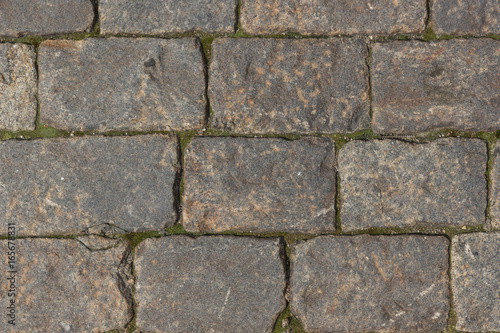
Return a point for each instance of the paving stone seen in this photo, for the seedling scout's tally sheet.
(495, 188)
(17, 87)
(390, 183)
(122, 84)
(167, 16)
(333, 17)
(65, 185)
(259, 185)
(475, 276)
(465, 17)
(420, 86)
(267, 85)
(61, 286)
(45, 17)
(209, 284)
(371, 283)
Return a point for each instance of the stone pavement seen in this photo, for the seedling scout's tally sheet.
(250, 166)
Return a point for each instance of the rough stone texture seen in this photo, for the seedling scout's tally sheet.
(63, 287)
(167, 16)
(122, 84)
(333, 16)
(209, 284)
(261, 185)
(390, 183)
(44, 17)
(421, 86)
(282, 85)
(475, 276)
(17, 87)
(371, 283)
(466, 17)
(495, 188)
(63, 186)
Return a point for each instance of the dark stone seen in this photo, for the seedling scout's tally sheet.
(495, 188)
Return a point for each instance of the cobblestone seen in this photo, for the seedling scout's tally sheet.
(495, 188)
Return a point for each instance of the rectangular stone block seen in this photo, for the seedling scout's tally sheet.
(390, 183)
(495, 187)
(167, 16)
(333, 17)
(265, 85)
(420, 86)
(209, 284)
(475, 277)
(371, 283)
(66, 185)
(17, 87)
(122, 84)
(45, 17)
(259, 185)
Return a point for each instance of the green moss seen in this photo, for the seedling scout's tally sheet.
(135, 238)
(176, 229)
(497, 37)
(429, 35)
(292, 323)
(206, 44)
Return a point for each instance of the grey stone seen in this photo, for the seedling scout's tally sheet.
(209, 284)
(259, 185)
(333, 16)
(61, 286)
(475, 277)
(122, 84)
(17, 87)
(371, 283)
(389, 183)
(420, 86)
(45, 17)
(66, 185)
(495, 188)
(465, 17)
(267, 85)
(167, 16)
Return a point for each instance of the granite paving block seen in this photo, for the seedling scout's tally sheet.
(209, 284)
(371, 283)
(495, 187)
(45, 17)
(390, 183)
(167, 16)
(420, 86)
(66, 185)
(475, 276)
(17, 87)
(267, 85)
(259, 185)
(333, 16)
(123, 84)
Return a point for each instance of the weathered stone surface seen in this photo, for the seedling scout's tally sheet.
(122, 84)
(261, 185)
(371, 283)
(167, 16)
(390, 183)
(17, 87)
(209, 284)
(45, 17)
(421, 86)
(267, 85)
(466, 17)
(495, 188)
(61, 286)
(63, 186)
(475, 276)
(333, 17)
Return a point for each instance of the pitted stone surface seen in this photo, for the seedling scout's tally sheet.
(333, 16)
(209, 284)
(371, 283)
(66, 185)
(421, 86)
(17, 87)
(45, 17)
(390, 183)
(63, 287)
(260, 185)
(122, 84)
(475, 276)
(266, 85)
(495, 188)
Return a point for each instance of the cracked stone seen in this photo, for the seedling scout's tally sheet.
(495, 188)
